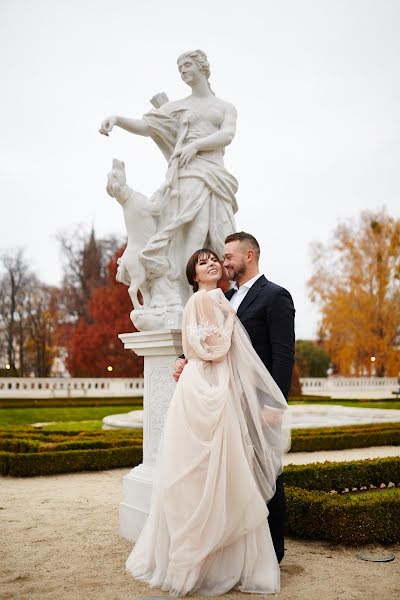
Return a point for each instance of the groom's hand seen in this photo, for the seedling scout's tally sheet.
(178, 368)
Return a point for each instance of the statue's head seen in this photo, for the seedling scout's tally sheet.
(192, 65)
(116, 178)
(200, 60)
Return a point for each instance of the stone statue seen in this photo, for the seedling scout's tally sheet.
(140, 221)
(195, 205)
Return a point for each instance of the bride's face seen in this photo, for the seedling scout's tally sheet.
(208, 270)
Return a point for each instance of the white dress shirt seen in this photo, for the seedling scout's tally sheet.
(240, 293)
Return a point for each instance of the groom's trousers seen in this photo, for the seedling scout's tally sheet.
(276, 518)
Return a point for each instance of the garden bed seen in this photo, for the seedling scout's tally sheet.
(26, 451)
(322, 503)
(345, 437)
(323, 499)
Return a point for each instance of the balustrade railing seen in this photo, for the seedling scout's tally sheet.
(350, 387)
(69, 387)
(74, 387)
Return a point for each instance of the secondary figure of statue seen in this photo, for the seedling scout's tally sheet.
(196, 202)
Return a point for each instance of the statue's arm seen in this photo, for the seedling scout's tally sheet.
(137, 126)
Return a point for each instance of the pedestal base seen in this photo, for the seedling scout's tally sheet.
(160, 349)
(134, 508)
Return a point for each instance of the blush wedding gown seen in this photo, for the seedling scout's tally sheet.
(219, 457)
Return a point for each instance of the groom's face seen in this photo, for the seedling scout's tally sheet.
(234, 259)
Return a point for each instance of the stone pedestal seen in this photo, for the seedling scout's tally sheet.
(159, 349)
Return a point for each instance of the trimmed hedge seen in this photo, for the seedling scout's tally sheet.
(349, 436)
(342, 519)
(313, 512)
(25, 446)
(339, 476)
(26, 452)
(49, 463)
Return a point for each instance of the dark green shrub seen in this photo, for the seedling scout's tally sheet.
(343, 519)
(340, 438)
(48, 463)
(372, 517)
(339, 476)
(27, 452)
(19, 445)
(4, 463)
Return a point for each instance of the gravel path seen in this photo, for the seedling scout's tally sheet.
(60, 541)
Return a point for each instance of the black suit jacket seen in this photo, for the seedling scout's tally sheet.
(267, 314)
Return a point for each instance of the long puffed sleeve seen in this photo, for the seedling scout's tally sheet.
(207, 326)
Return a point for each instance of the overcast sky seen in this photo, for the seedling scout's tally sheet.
(316, 84)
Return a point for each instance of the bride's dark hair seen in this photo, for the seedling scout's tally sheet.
(192, 262)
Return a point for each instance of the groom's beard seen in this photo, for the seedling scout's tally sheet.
(235, 274)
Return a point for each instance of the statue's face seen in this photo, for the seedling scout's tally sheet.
(189, 71)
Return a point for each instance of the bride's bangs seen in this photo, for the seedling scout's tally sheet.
(205, 254)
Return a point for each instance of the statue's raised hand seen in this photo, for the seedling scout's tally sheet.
(107, 125)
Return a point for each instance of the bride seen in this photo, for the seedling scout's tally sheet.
(219, 457)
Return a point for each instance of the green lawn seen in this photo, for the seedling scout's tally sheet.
(75, 426)
(68, 415)
(394, 404)
(389, 493)
(89, 418)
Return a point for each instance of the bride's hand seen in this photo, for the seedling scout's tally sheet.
(186, 154)
(178, 368)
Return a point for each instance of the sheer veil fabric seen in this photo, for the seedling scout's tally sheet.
(219, 457)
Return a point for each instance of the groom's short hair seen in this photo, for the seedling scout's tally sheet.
(242, 236)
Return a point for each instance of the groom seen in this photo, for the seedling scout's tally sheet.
(266, 311)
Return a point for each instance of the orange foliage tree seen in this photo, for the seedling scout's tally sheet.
(356, 282)
(94, 346)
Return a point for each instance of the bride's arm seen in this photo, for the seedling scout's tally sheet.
(209, 328)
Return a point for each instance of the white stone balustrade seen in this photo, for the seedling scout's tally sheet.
(92, 387)
(70, 387)
(350, 387)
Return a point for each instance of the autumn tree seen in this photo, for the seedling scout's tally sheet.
(356, 282)
(93, 343)
(41, 322)
(13, 286)
(28, 318)
(295, 384)
(85, 265)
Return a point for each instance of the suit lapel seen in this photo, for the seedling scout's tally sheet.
(251, 295)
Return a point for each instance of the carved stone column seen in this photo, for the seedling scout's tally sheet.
(160, 349)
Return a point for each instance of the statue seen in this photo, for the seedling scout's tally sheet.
(138, 210)
(195, 205)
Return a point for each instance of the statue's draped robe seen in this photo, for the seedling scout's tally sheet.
(197, 202)
(219, 457)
